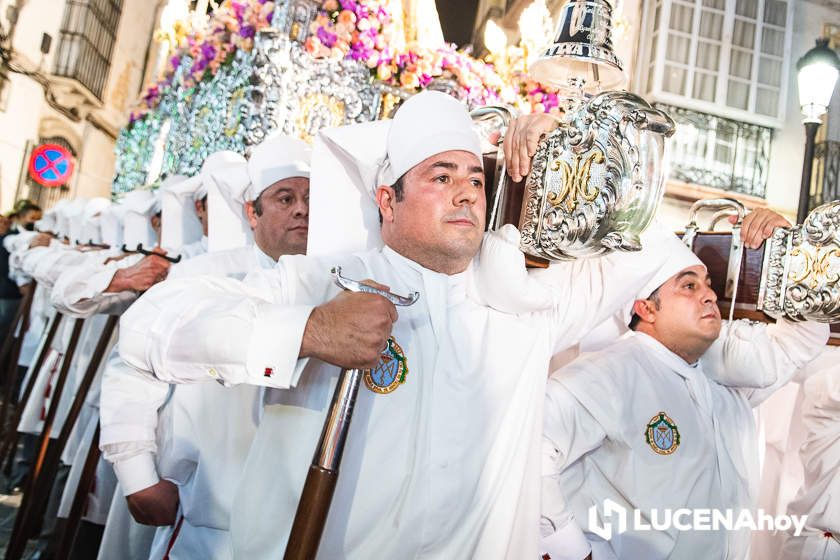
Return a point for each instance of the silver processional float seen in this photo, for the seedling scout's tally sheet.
(594, 186)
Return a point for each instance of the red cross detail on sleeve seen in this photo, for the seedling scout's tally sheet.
(545, 556)
(268, 372)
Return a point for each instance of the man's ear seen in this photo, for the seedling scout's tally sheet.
(251, 214)
(385, 199)
(645, 309)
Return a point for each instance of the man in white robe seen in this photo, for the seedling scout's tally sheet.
(202, 456)
(643, 424)
(104, 281)
(109, 284)
(819, 497)
(447, 464)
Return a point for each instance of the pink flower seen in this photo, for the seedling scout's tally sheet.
(409, 80)
(384, 72)
(346, 17)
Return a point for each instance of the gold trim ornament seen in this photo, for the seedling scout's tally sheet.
(662, 435)
(391, 370)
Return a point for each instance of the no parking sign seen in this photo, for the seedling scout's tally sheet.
(51, 165)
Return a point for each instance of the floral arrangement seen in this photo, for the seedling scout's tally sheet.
(361, 30)
(231, 26)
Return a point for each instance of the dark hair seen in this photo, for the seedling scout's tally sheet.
(399, 192)
(635, 319)
(22, 206)
(258, 209)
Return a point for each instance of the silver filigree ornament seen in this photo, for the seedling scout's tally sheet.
(299, 95)
(597, 180)
(801, 271)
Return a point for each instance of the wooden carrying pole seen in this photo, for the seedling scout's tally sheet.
(318, 489)
(10, 352)
(39, 482)
(315, 501)
(11, 437)
(66, 530)
(78, 401)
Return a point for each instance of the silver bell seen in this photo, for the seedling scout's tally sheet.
(581, 55)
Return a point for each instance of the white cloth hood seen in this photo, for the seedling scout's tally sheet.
(275, 159)
(228, 189)
(140, 206)
(179, 223)
(353, 161)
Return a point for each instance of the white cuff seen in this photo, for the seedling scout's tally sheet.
(567, 543)
(136, 473)
(273, 355)
(99, 282)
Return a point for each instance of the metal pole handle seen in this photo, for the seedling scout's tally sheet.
(319, 487)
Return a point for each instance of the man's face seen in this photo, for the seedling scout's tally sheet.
(29, 217)
(687, 314)
(156, 222)
(439, 222)
(201, 212)
(280, 217)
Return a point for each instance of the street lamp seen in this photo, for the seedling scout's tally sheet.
(817, 75)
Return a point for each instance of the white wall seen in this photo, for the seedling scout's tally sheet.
(26, 110)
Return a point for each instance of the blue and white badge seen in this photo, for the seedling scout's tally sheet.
(662, 434)
(390, 372)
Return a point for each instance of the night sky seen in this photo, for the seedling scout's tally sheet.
(457, 18)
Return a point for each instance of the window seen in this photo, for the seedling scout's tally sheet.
(726, 57)
(717, 152)
(86, 40)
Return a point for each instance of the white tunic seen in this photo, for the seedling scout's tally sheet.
(447, 466)
(596, 417)
(205, 437)
(46, 269)
(819, 498)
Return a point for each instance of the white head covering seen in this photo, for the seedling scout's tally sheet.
(428, 123)
(67, 214)
(140, 206)
(680, 257)
(226, 196)
(111, 225)
(353, 161)
(49, 220)
(87, 228)
(179, 224)
(274, 159)
(46, 223)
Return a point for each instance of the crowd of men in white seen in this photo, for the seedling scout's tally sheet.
(525, 401)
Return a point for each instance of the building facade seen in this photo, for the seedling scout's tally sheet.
(71, 70)
(726, 72)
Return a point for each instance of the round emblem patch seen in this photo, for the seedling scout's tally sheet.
(662, 434)
(390, 372)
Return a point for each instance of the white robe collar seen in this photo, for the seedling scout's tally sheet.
(263, 260)
(439, 291)
(693, 374)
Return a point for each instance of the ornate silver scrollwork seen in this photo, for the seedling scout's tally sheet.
(299, 95)
(597, 180)
(801, 273)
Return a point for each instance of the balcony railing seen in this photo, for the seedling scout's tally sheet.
(86, 41)
(717, 152)
(825, 177)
